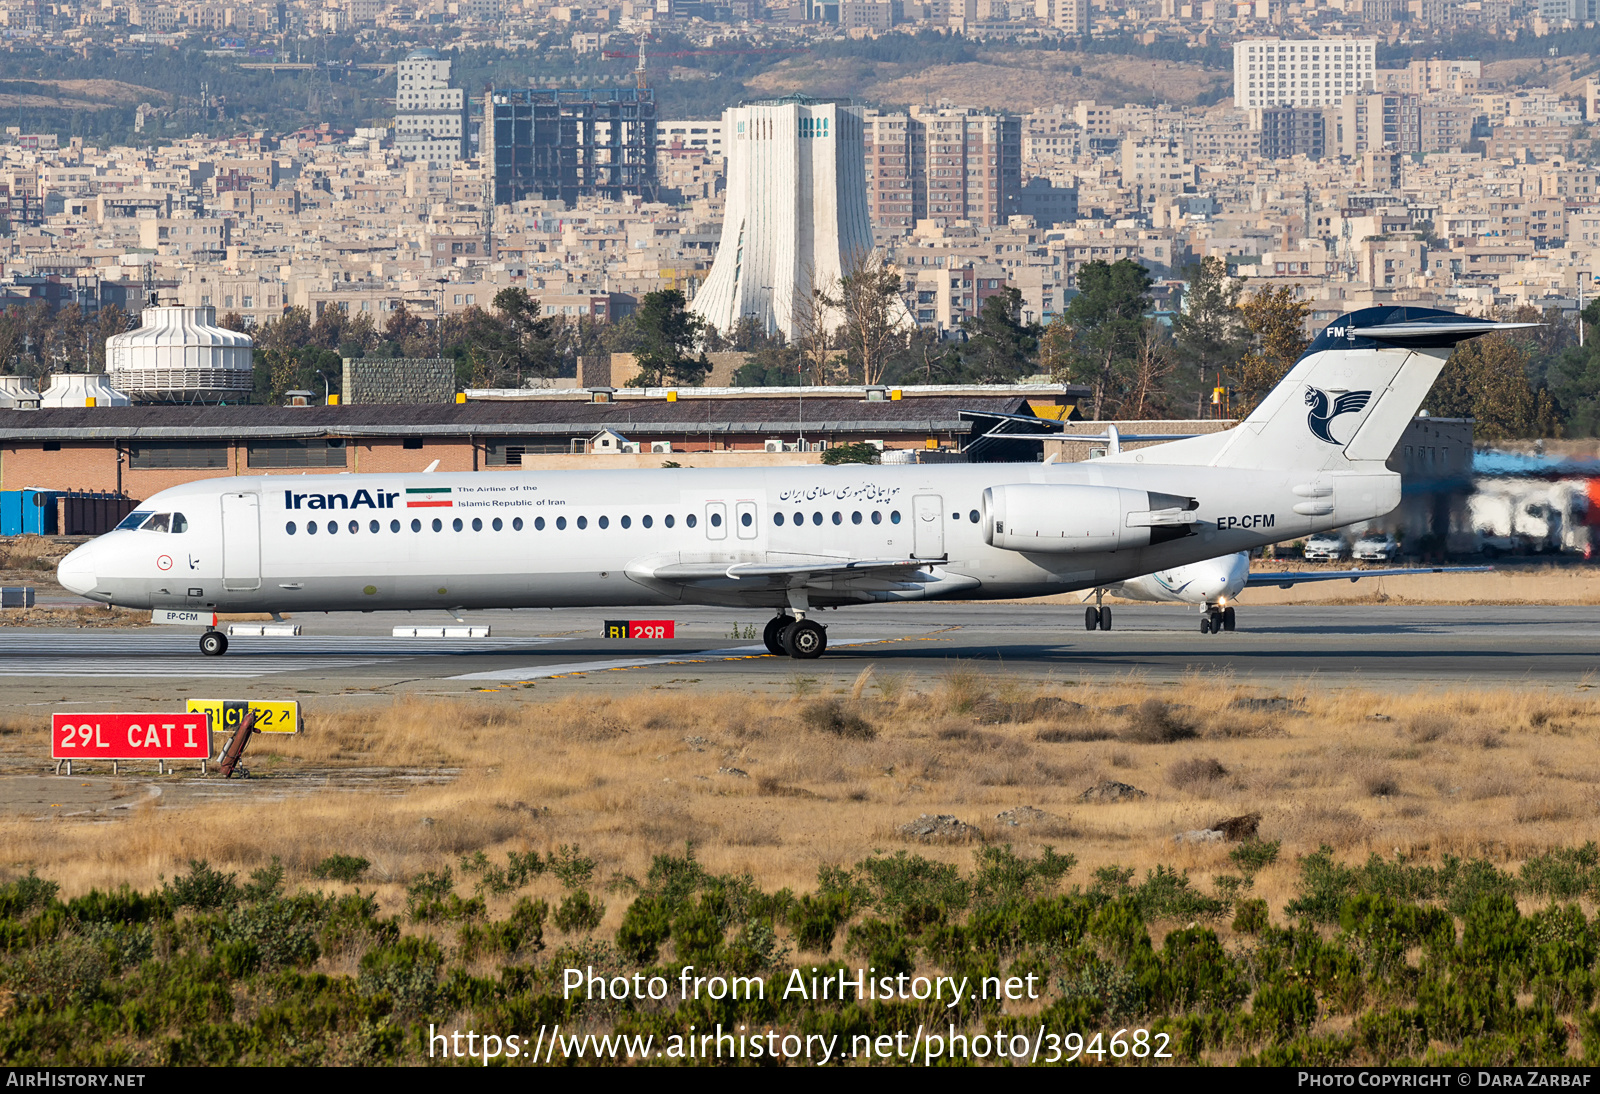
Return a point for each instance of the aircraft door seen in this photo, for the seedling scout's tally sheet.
(241, 542)
(716, 520)
(746, 524)
(928, 526)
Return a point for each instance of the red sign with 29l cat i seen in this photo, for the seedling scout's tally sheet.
(130, 736)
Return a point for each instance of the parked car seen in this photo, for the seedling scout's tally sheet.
(1327, 547)
(1377, 547)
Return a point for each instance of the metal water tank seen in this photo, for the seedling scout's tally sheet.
(180, 355)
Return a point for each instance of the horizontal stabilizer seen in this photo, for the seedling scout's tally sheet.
(1288, 580)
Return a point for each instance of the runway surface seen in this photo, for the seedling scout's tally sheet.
(354, 654)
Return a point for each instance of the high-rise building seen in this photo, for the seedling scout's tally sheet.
(430, 116)
(1071, 17)
(947, 164)
(1301, 72)
(796, 216)
(548, 143)
(1288, 131)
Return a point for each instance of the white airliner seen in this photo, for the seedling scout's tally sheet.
(1215, 583)
(793, 539)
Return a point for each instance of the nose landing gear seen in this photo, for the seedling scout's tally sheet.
(1216, 620)
(213, 643)
(1097, 617)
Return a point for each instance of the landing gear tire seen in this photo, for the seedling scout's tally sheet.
(1091, 619)
(1214, 620)
(1227, 619)
(213, 643)
(772, 636)
(1105, 619)
(804, 639)
(1205, 624)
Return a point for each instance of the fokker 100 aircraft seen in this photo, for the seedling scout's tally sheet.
(1214, 584)
(793, 539)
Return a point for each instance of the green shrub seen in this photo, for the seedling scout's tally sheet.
(1199, 973)
(23, 895)
(851, 452)
(125, 905)
(646, 925)
(203, 887)
(815, 919)
(1564, 873)
(1251, 917)
(894, 883)
(1279, 1011)
(1253, 855)
(1001, 877)
(884, 945)
(1165, 894)
(407, 971)
(1391, 1033)
(347, 868)
(571, 867)
(579, 912)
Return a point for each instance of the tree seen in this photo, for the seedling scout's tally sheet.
(668, 334)
(1000, 348)
(852, 452)
(814, 324)
(869, 297)
(1276, 322)
(1102, 325)
(1209, 336)
(1487, 379)
(1152, 364)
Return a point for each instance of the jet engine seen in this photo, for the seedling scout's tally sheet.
(1063, 519)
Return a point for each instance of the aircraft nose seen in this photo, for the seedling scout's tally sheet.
(76, 572)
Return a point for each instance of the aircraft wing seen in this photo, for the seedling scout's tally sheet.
(1289, 579)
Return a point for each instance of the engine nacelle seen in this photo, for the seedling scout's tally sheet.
(1064, 519)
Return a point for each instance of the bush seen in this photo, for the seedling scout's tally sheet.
(646, 925)
(347, 868)
(852, 452)
(894, 883)
(1001, 877)
(579, 912)
(21, 896)
(816, 919)
(1251, 918)
(571, 866)
(1156, 723)
(833, 716)
(407, 971)
(203, 888)
(1188, 774)
(1253, 855)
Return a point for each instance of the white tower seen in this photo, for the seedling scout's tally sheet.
(796, 214)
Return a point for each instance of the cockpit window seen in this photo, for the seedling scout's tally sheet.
(133, 520)
(180, 523)
(157, 523)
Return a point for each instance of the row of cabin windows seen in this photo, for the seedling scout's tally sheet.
(460, 524)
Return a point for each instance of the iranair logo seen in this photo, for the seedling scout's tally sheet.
(428, 497)
(1321, 416)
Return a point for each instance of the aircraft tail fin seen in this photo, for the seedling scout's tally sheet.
(1347, 400)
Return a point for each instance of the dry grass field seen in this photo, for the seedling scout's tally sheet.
(778, 788)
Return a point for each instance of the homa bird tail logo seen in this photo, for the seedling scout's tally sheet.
(1321, 417)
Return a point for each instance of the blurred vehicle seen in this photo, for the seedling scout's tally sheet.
(1327, 547)
(1376, 547)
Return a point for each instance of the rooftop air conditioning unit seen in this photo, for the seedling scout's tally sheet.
(660, 446)
(774, 446)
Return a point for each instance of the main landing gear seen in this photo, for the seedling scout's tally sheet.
(801, 638)
(1097, 617)
(213, 643)
(1216, 620)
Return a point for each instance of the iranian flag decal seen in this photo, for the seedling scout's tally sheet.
(427, 497)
